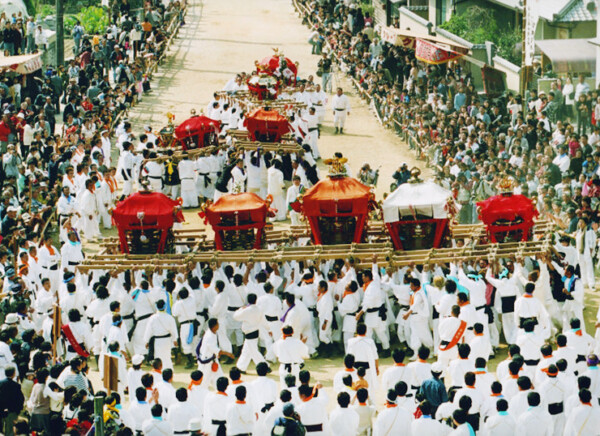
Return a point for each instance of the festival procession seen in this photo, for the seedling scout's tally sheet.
(384, 238)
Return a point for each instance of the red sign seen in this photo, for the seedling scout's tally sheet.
(434, 54)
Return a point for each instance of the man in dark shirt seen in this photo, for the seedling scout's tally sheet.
(11, 400)
(10, 221)
(8, 39)
(433, 389)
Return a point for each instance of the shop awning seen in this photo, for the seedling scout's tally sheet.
(408, 38)
(22, 64)
(434, 54)
(569, 55)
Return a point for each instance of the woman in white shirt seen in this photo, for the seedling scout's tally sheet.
(569, 92)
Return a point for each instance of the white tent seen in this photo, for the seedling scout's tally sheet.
(10, 7)
(409, 199)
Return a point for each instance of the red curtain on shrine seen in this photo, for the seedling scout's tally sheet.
(197, 126)
(237, 212)
(146, 210)
(517, 211)
(263, 123)
(337, 197)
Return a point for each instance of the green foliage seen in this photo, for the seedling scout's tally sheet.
(478, 25)
(367, 6)
(44, 10)
(93, 19)
(69, 23)
(30, 5)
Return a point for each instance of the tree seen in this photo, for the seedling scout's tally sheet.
(478, 25)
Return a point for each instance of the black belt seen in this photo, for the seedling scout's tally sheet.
(373, 310)
(156, 177)
(130, 316)
(312, 129)
(74, 263)
(203, 314)
(470, 328)
(206, 179)
(288, 366)
(508, 303)
(364, 365)
(181, 432)
(336, 109)
(251, 335)
(444, 343)
(166, 335)
(436, 314)
(531, 362)
(221, 431)
(53, 267)
(580, 358)
(405, 307)
(70, 349)
(232, 309)
(186, 322)
(473, 419)
(143, 317)
(555, 408)
(267, 407)
(480, 307)
(314, 311)
(314, 427)
(522, 321)
(271, 318)
(205, 361)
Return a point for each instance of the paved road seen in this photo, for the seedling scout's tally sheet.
(221, 39)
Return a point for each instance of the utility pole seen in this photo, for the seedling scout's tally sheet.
(592, 7)
(60, 33)
(98, 413)
(524, 69)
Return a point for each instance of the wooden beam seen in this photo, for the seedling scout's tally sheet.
(359, 252)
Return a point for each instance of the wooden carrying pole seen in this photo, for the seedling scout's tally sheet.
(361, 253)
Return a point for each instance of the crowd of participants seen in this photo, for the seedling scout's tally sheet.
(441, 324)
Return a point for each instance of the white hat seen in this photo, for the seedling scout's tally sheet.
(437, 367)
(11, 318)
(20, 115)
(12, 209)
(195, 425)
(137, 359)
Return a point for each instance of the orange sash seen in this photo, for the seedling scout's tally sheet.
(459, 332)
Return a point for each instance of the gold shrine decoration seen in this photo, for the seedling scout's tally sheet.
(337, 167)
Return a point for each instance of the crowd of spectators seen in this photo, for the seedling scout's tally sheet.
(55, 131)
(547, 144)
